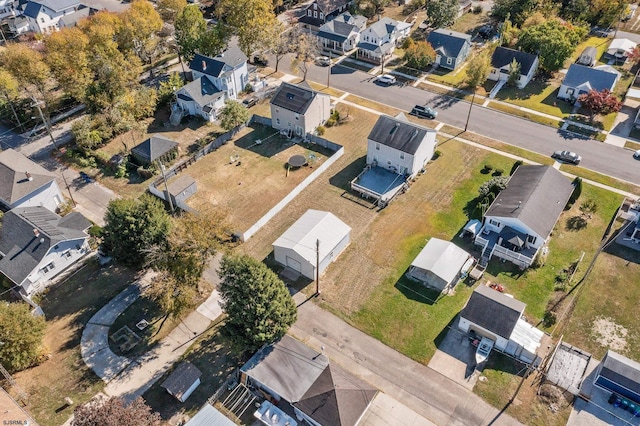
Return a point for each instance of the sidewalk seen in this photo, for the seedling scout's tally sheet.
(420, 388)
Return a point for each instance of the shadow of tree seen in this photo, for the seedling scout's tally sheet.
(576, 223)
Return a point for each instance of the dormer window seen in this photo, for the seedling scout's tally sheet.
(321, 15)
(309, 12)
(377, 146)
(315, 14)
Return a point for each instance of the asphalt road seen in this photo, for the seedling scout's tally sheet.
(604, 158)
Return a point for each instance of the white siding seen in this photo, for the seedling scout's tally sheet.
(390, 158)
(515, 224)
(466, 325)
(47, 196)
(317, 113)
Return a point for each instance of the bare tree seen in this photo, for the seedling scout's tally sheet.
(305, 47)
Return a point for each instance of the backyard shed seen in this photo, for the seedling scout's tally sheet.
(183, 381)
(619, 374)
(181, 188)
(438, 265)
(154, 148)
(296, 248)
(209, 416)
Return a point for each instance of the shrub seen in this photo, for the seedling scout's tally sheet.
(548, 319)
(488, 167)
(498, 172)
(477, 9)
(436, 155)
(144, 172)
(248, 88)
(321, 129)
(515, 167)
(121, 171)
(330, 122)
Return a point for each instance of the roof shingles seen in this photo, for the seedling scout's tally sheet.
(398, 134)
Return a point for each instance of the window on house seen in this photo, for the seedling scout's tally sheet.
(531, 239)
(449, 61)
(308, 13)
(377, 146)
(277, 110)
(401, 155)
(388, 162)
(297, 116)
(277, 121)
(321, 15)
(494, 223)
(42, 20)
(315, 14)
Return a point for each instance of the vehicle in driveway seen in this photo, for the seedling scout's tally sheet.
(387, 79)
(250, 101)
(636, 154)
(424, 111)
(323, 61)
(567, 156)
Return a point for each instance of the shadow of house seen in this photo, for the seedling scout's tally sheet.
(416, 291)
(343, 178)
(156, 148)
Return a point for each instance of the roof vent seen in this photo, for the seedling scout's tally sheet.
(41, 240)
(36, 232)
(29, 177)
(204, 65)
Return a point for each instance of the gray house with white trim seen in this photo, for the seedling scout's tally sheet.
(297, 109)
(452, 47)
(379, 40)
(341, 34)
(502, 59)
(580, 80)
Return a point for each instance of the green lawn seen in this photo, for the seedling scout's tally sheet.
(600, 178)
(599, 43)
(525, 114)
(539, 95)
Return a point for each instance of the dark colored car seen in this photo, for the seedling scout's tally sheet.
(260, 60)
(487, 32)
(601, 32)
(424, 111)
(567, 156)
(250, 101)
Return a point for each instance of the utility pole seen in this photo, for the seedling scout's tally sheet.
(473, 98)
(329, 73)
(44, 121)
(166, 187)
(317, 267)
(68, 189)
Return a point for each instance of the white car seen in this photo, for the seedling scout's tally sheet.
(636, 154)
(323, 61)
(387, 79)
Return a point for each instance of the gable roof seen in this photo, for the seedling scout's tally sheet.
(383, 27)
(329, 6)
(201, 91)
(503, 56)
(294, 97)
(14, 184)
(443, 258)
(399, 134)
(72, 19)
(448, 43)
(536, 195)
(493, 311)
(216, 66)
(312, 226)
(33, 7)
(181, 379)
(342, 26)
(590, 78)
(623, 44)
(22, 249)
(153, 148)
(621, 370)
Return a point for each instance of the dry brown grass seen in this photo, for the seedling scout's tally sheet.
(385, 109)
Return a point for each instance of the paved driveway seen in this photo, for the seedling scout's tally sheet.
(455, 358)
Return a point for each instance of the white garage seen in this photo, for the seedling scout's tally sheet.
(439, 264)
(298, 247)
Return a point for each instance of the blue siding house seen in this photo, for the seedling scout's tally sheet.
(452, 48)
(620, 375)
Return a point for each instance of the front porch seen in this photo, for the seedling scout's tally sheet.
(508, 244)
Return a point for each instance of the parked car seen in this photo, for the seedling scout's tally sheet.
(636, 154)
(387, 79)
(601, 31)
(487, 32)
(424, 111)
(323, 61)
(260, 60)
(567, 156)
(250, 101)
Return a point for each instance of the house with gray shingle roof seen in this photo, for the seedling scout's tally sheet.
(379, 40)
(620, 375)
(452, 47)
(520, 220)
(341, 34)
(44, 15)
(580, 80)
(153, 149)
(502, 59)
(24, 183)
(36, 245)
(298, 109)
(319, 12)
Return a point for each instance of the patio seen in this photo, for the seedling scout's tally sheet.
(378, 183)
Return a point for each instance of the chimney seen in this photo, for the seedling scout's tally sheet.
(204, 65)
(36, 232)
(29, 177)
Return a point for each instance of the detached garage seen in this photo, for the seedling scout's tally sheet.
(439, 264)
(296, 248)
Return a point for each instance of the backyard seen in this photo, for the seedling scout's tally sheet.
(67, 308)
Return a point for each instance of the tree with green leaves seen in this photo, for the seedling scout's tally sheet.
(214, 41)
(478, 69)
(419, 54)
(518, 10)
(258, 305)
(170, 9)
(554, 42)
(21, 335)
(9, 93)
(371, 8)
(514, 73)
(139, 25)
(600, 102)
(132, 227)
(442, 13)
(233, 114)
(190, 26)
(28, 67)
(250, 20)
(115, 412)
(168, 87)
(67, 54)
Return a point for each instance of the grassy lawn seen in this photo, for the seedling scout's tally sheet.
(600, 178)
(469, 22)
(539, 95)
(324, 89)
(453, 78)
(68, 307)
(525, 114)
(385, 109)
(632, 145)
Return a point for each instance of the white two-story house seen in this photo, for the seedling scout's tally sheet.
(44, 15)
(36, 245)
(7, 8)
(379, 40)
(215, 80)
(297, 109)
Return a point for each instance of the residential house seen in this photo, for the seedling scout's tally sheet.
(501, 64)
(214, 81)
(319, 12)
(397, 150)
(341, 34)
(24, 183)
(580, 80)
(619, 375)
(44, 15)
(36, 245)
(439, 264)
(297, 109)
(379, 40)
(7, 8)
(71, 20)
(295, 377)
(316, 239)
(155, 148)
(619, 49)
(520, 219)
(452, 47)
(464, 6)
(17, 25)
(490, 313)
(183, 381)
(588, 57)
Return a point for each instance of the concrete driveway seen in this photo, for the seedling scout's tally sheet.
(455, 358)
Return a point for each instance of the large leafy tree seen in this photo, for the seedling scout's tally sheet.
(370, 8)
(442, 13)
(132, 227)
(258, 304)
(554, 41)
(518, 10)
(607, 12)
(28, 68)
(190, 26)
(478, 69)
(600, 103)
(305, 49)
(139, 25)
(115, 412)
(68, 57)
(213, 41)
(419, 54)
(170, 9)
(21, 336)
(9, 92)
(251, 21)
(233, 114)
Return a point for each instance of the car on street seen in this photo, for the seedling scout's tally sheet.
(387, 79)
(424, 111)
(636, 154)
(250, 101)
(602, 32)
(567, 156)
(323, 61)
